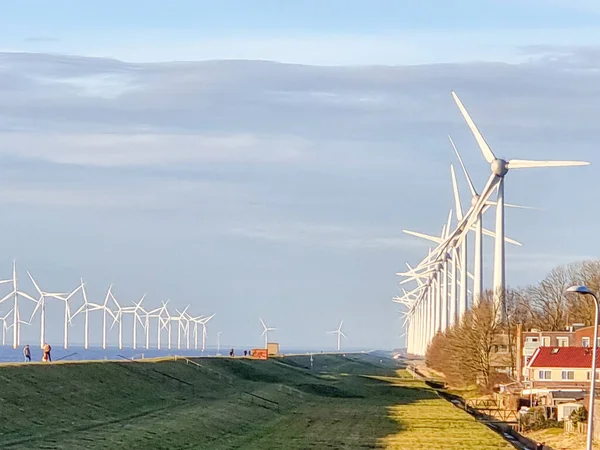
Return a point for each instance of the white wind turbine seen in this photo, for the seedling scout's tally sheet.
(15, 293)
(478, 226)
(5, 326)
(203, 322)
(67, 315)
(106, 310)
(133, 310)
(163, 323)
(180, 318)
(156, 314)
(195, 321)
(500, 168)
(339, 333)
(86, 308)
(265, 332)
(118, 317)
(41, 305)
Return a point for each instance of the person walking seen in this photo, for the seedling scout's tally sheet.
(27, 353)
(47, 350)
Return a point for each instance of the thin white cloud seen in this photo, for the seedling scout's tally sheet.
(324, 235)
(148, 149)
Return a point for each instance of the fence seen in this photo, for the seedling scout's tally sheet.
(290, 390)
(579, 428)
(260, 401)
(219, 375)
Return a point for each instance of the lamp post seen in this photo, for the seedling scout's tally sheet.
(219, 343)
(584, 290)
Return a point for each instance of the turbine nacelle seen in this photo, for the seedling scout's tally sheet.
(499, 167)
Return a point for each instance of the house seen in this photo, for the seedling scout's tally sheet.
(575, 335)
(564, 410)
(557, 375)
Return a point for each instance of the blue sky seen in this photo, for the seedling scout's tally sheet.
(278, 188)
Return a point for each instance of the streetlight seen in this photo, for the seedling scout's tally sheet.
(219, 343)
(584, 290)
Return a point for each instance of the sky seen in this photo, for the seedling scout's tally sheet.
(260, 159)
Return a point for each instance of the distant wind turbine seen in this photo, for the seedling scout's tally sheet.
(339, 333)
(265, 332)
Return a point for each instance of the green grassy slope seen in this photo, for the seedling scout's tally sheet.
(174, 404)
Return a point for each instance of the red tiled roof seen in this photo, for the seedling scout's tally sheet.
(563, 357)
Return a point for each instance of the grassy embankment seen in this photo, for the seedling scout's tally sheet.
(173, 404)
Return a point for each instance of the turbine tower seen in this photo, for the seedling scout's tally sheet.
(339, 333)
(500, 168)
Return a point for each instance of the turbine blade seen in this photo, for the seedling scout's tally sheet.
(437, 240)
(448, 223)
(510, 205)
(530, 164)
(27, 296)
(506, 239)
(37, 288)
(35, 310)
(469, 181)
(488, 154)
(459, 214)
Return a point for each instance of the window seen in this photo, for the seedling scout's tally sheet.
(546, 341)
(562, 341)
(585, 342)
(589, 375)
(545, 375)
(531, 339)
(568, 375)
(567, 410)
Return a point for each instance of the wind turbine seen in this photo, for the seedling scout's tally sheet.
(219, 343)
(478, 226)
(203, 322)
(195, 321)
(86, 308)
(339, 333)
(15, 293)
(106, 310)
(118, 317)
(5, 327)
(155, 313)
(136, 317)
(265, 332)
(179, 319)
(163, 323)
(67, 316)
(41, 305)
(500, 168)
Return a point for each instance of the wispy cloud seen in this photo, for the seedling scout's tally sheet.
(148, 148)
(325, 236)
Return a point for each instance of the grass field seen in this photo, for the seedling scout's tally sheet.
(343, 402)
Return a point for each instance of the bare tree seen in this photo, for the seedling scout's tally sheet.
(548, 300)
